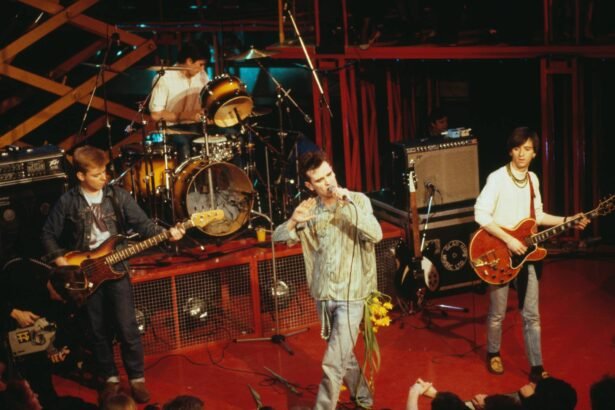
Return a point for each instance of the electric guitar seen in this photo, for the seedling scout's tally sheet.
(89, 269)
(415, 272)
(495, 264)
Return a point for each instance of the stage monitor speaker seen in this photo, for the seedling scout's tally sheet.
(23, 211)
(450, 166)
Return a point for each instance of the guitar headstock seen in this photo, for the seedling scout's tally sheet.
(204, 218)
(606, 206)
(410, 177)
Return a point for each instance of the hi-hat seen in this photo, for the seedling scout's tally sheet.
(167, 68)
(252, 54)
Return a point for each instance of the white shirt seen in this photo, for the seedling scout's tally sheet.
(506, 204)
(177, 93)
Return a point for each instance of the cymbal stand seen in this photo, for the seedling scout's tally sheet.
(100, 77)
(131, 128)
(323, 99)
(268, 148)
(210, 180)
(281, 95)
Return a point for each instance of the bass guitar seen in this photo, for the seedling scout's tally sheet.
(495, 264)
(415, 272)
(88, 270)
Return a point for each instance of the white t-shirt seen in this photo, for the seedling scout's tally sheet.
(97, 236)
(177, 93)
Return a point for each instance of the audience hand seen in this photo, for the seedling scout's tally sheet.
(58, 356)
(527, 390)
(478, 401)
(23, 317)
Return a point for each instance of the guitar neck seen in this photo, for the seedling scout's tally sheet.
(414, 220)
(130, 251)
(558, 229)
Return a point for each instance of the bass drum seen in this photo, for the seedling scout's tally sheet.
(202, 186)
(225, 98)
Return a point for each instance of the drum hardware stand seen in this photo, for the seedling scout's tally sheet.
(210, 180)
(281, 95)
(323, 99)
(268, 147)
(100, 77)
(277, 338)
(130, 128)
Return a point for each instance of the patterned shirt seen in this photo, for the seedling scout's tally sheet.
(337, 265)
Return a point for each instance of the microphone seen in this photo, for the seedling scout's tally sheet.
(342, 197)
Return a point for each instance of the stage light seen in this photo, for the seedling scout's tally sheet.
(282, 291)
(142, 320)
(196, 309)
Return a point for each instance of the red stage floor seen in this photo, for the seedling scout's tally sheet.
(578, 328)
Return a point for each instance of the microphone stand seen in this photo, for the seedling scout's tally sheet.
(323, 99)
(428, 309)
(100, 77)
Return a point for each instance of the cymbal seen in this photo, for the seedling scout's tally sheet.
(252, 54)
(165, 68)
(260, 111)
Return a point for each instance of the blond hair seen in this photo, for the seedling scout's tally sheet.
(88, 157)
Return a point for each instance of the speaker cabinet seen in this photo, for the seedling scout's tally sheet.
(450, 166)
(446, 246)
(23, 211)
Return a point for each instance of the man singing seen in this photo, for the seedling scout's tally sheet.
(338, 232)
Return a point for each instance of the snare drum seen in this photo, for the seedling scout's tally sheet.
(221, 147)
(225, 98)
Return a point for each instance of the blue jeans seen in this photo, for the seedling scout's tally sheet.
(111, 312)
(339, 362)
(498, 296)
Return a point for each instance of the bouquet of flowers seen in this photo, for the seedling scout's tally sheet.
(376, 314)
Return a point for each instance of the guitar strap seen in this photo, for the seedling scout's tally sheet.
(521, 280)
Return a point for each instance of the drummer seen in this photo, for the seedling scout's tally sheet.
(176, 97)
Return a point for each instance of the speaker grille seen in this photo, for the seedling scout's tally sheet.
(452, 168)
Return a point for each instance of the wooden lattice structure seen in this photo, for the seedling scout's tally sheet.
(68, 96)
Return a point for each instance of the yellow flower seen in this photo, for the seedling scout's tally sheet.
(388, 305)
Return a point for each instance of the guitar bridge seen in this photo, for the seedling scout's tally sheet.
(487, 259)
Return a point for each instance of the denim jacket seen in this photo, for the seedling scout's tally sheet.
(68, 226)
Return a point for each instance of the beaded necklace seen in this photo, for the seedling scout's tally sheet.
(520, 182)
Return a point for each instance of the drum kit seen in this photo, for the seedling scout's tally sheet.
(221, 172)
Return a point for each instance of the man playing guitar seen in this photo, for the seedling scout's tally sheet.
(82, 219)
(511, 195)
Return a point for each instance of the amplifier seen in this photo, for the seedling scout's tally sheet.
(23, 166)
(450, 166)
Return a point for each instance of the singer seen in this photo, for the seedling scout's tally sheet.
(338, 242)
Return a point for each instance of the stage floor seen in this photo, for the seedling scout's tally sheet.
(578, 330)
